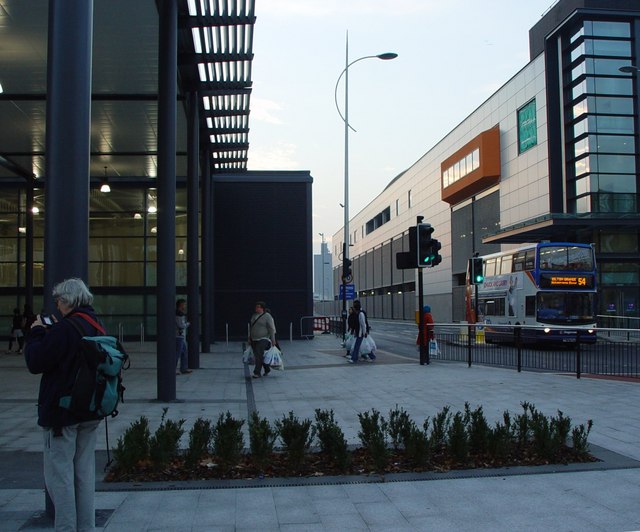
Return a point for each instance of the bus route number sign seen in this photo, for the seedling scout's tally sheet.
(566, 281)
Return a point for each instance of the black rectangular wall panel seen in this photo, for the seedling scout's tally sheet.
(262, 251)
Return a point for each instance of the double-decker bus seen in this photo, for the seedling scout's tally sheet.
(547, 285)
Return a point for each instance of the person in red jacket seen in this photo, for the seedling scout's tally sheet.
(427, 330)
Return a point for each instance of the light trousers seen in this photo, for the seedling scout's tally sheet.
(70, 475)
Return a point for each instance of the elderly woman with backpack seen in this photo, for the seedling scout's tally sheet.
(69, 440)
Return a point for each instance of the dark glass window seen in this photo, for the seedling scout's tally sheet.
(603, 28)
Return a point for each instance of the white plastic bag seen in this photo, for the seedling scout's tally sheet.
(267, 358)
(247, 355)
(434, 350)
(275, 355)
(367, 346)
(349, 341)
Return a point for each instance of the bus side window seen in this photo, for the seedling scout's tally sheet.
(518, 262)
(489, 267)
(530, 259)
(530, 306)
(506, 265)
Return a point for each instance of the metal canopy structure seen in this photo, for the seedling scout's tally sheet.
(215, 50)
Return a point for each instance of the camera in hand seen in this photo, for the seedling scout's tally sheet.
(46, 320)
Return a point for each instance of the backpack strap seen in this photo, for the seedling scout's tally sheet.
(91, 321)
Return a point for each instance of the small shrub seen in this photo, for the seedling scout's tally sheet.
(296, 437)
(521, 426)
(400, 427)
(133, 446)
(579, 437)
(228, 440)
(499, 444)
(163, 445)
(262, 438)
(542, 437)
(373, 435)
(458, 444)
(560, 429)
(200, 437)
(439, 429)
(478, 430)
(417, 447)
(332, 440)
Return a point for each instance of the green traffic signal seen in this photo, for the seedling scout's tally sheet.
(424, 245)
(477, 274)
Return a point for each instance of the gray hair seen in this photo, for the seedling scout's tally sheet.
(73, 293)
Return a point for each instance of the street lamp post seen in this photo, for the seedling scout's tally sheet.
(345, 245)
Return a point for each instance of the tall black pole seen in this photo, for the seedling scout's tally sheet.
(424, 355)
(207, 242)
(193, 202)
(166, 279)
(67, 142)
(344, 292)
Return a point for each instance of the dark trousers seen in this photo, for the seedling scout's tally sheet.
(259, 347)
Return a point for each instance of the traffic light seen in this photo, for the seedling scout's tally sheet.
(477, 275)
(424, 245)
(347, 274)
(436, 246)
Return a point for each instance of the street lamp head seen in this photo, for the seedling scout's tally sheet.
(387, 56)
(629, 69)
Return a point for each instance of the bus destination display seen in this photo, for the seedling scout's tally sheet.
(552, 280)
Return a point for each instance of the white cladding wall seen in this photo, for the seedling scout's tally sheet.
(524, 187)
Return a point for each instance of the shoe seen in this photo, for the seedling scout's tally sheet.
(368, 359)
(350, 361)
(255, 376)
(266, 373)
(186, 371)
(178, 373)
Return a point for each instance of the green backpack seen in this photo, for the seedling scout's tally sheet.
(96, 386)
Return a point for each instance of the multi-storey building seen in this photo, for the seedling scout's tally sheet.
(552, 155)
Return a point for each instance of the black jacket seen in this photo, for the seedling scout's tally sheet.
(51, 352)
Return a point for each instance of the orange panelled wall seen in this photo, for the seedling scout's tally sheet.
(488, 173)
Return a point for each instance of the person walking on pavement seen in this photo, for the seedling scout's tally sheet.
(181, 338)
(360, 332)
(262, 335)
(352, 326)
(69, 440)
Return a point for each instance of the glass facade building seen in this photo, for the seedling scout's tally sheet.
(122, 252)
(564, 168)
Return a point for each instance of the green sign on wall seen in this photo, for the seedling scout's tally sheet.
(527, 127)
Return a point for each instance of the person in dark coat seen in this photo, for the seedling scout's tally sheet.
(69, 442)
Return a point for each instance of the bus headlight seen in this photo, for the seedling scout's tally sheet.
(590, 331)
(547, 330)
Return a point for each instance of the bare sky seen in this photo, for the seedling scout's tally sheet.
(452, 55)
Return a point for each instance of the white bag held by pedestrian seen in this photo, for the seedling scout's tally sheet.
(274, 355)
(434, 350)
(367, 346)
(247, 356)
(349, 341)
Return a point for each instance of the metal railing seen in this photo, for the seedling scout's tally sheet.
(610, 352)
